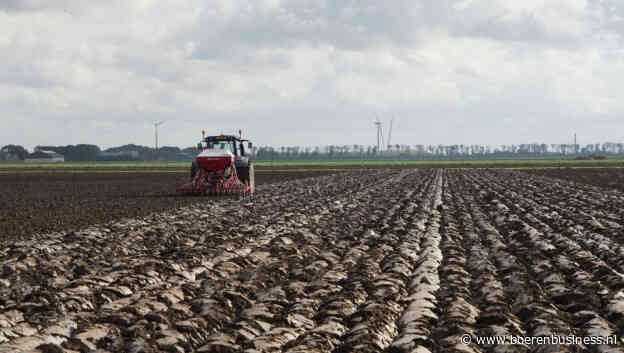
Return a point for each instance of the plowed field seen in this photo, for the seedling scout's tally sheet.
(48, 201)
(364, 261)
(612, 178)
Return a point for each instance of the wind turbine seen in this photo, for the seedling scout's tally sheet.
(156, 125)
(379, 134)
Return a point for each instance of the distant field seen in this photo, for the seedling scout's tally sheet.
(83, 165)
(349, 163)
(442, 163)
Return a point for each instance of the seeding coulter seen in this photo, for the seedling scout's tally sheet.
(222, 167)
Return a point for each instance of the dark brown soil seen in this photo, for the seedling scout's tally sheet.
(612, 178)
(44, 202)
(364, 261)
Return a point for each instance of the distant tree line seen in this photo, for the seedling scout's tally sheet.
(132, 152)
(93, 153)
(13, 152)
(355, 152)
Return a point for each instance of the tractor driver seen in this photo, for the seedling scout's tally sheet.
(223, 145)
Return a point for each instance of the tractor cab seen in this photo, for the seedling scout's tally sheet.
(225, 143)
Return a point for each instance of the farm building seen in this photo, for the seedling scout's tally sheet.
(41, 156)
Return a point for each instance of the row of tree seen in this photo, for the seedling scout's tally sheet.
(88, 153)
(131, 152)
(349, 152)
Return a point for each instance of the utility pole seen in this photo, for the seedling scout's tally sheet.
(575, 145)
(156, 125)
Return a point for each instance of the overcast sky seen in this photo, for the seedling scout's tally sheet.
(311, 72)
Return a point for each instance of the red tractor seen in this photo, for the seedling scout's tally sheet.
(221, 168)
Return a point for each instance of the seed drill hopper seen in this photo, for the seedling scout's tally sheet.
(222, 167)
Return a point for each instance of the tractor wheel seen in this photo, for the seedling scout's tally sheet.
(193, 170)
(246, 174)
